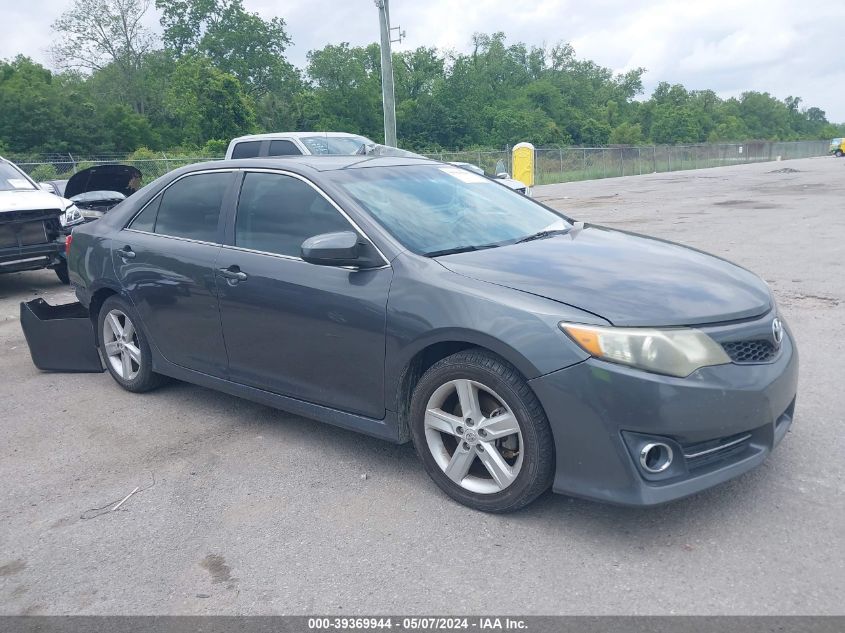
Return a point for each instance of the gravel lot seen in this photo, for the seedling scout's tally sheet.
(255, 511)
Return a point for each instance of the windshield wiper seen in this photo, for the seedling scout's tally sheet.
(539, 235)
(460, 249)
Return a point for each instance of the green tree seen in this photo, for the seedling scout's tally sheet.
(221, 72)
(764, 116)
(205, 103)
(237, 42)
(672, 124)
(731, 128)
(346, 85)
(627, 134)
(95, 34)
(31, 105)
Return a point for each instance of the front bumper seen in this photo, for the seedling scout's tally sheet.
(60, 338)
(601, 413)
(33, 257)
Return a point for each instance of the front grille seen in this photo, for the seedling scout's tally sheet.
(755, 351)
(28, 228)
(23, 234)
(705, 453)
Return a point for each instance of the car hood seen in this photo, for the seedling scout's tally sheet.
(627, 279)
(30, 200)
(121, 178)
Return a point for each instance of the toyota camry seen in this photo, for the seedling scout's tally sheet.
(518, 349)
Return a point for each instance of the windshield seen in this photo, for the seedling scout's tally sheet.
(431, 209)
(342, 145)
(12, 179)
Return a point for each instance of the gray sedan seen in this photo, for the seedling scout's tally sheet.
(518, 349)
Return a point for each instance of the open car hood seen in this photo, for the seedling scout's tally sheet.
(121, 178)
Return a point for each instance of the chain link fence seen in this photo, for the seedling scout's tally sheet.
(44, 167)
(589, 163)
(491, 161)
(552, 165)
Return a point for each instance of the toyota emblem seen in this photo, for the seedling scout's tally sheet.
(777, 331)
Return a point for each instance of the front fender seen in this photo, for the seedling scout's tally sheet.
(428, 304)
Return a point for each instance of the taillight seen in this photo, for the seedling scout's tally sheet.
(68, 241)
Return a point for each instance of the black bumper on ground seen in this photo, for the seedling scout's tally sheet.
(60, 338)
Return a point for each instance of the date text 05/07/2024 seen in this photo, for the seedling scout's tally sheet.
(418, 623)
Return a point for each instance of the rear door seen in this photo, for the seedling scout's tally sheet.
(166, 262)
(315, 333)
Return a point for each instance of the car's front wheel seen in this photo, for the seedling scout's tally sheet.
(481, 433)
(62, 274)
(124, 347)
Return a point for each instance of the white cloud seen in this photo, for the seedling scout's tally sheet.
(780, 46)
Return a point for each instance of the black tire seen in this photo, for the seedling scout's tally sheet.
(62, 274)
(145, 379)
(839, 153)
(537, 444)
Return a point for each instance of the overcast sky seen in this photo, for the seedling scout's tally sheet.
(786, 47)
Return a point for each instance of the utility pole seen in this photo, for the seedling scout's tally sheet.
(388, 100)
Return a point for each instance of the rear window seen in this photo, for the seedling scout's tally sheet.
(190, 207)
(146, 220)
(247, 149)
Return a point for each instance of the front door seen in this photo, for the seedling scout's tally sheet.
(315, 333)
(166, 262)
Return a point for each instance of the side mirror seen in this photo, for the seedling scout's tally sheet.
(334, 249)
(503, 174)
(46, 186)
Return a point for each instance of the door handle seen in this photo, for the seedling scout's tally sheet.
(126, 252)
(233, 274)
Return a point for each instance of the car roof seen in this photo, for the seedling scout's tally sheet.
(272, 135)
(319, 163)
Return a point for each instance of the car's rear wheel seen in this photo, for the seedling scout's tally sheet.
(124, 348)
(839, 153)
(481, 433)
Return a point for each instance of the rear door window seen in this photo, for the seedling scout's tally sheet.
(190, 207)
(283, 148)
(146, 220)
(247, 149)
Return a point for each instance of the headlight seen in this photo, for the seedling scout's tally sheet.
(91, 214)
(71, 216)
(672, 351)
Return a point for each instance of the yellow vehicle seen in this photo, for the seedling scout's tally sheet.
(837, 147)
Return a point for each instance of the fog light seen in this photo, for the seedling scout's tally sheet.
(655, 457)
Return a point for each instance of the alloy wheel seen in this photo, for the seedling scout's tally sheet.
(120, 343)
(473, 436)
